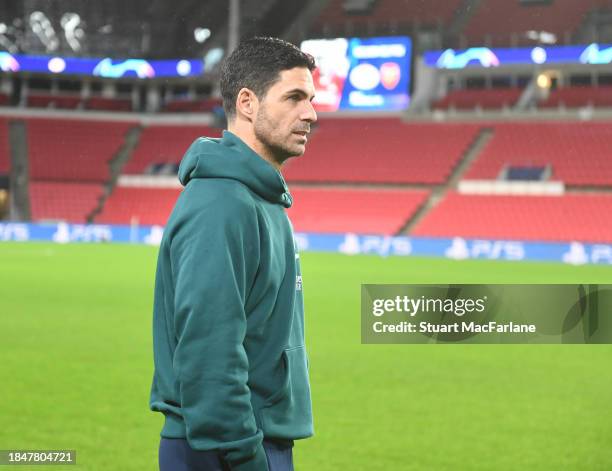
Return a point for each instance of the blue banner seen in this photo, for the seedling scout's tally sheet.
(101, 67)
(499, 57)
(575, 253)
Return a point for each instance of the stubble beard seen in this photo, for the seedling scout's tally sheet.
(264, 132)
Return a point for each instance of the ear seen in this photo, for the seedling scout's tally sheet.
(246, 103)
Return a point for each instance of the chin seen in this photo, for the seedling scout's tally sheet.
(295, 151)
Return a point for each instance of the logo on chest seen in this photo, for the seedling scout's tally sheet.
(298, 283)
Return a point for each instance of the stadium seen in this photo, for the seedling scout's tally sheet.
(457, 141)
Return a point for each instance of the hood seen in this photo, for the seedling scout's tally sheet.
(229, 157)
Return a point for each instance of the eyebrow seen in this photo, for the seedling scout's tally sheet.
(298, 91)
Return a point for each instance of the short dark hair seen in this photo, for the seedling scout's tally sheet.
(256, 64)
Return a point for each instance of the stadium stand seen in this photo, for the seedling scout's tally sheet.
(401, 13)
(71, 202)
(71, 150)
(5, 99)
(146, 206)
(315, 209)
(364, 211)
(578, 96)
(46, 100)
(582, 217)
(381, 150)
(108, 104)
(164, 144)
(488, 98)
(192, 106)
(4, 147)
(495, 21)
(579, 153)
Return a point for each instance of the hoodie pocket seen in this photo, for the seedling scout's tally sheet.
(288, 412)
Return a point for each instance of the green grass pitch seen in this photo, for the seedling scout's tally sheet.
(76, 365)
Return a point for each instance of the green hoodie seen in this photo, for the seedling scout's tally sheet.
(228, 321)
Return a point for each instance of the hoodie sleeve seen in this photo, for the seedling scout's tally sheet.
(214, 254)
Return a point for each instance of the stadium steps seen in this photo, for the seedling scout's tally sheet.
(528, 97)
(439, 192)
(116, 164)
(18, 158)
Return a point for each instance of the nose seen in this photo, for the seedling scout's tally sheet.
(309, 114)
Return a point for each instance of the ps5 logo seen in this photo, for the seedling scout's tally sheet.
(82, 233)
(461, 249)
(579, 254)
(354, 244)
(12, 231)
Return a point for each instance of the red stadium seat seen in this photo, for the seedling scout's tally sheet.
(45, 100)
(381, 150)
(108, 104)
(485, 98)
(363, 211)
(165, 144)
(579, 153)
(70, 202)
(315, 209)
(146, 206)
(581, 217)
(70, 150)
(575, 97)
(193, 106)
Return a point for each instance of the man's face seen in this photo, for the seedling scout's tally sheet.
(285, 114)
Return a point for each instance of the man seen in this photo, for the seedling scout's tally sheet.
(231, 372)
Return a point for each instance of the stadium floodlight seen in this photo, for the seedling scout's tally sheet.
(5, 42)
(43, 29)
(201, 34)
(71, 22)
(543, 37)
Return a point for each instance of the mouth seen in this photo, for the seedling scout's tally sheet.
(302, 135)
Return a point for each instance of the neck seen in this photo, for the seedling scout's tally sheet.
(247, 135)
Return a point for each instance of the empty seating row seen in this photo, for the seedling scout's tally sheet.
(363, 211)
(73, 150)
(70, 202)
(574, 97)
(46, 100)
(331, 210)
(193, 106)
(492, 98)
(164, 144)
(579, 153)
(377, 150)
(144, 206)
(381, 150)
(579, 217)
(496, 98)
